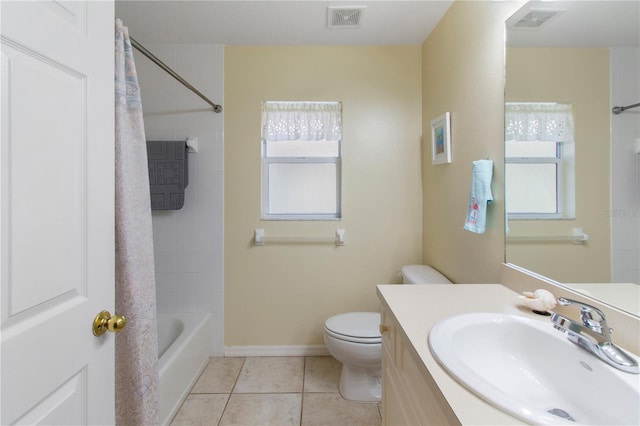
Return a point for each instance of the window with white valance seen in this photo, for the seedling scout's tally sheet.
(301, 121)
(301, 160)
(538, 122)
(539, 161)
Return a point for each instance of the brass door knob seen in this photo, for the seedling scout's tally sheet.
(383, 328)
(104, 322)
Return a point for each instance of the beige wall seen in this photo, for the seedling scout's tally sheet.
(463, 73)
(281, 294)
(579, 76)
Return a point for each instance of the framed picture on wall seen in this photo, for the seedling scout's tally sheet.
(441, 139)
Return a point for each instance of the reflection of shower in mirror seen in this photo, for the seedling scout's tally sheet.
(588, 56)
(618, 109)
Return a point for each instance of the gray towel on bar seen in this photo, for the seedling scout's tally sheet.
(168, 173)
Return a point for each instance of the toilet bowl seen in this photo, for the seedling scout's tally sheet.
(354, 339)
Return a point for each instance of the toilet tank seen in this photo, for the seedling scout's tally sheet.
(422, 274)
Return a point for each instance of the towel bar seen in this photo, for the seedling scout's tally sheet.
(260, 239)
(578, 238)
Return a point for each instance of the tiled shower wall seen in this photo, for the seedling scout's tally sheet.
(625, 166)
(188, 243)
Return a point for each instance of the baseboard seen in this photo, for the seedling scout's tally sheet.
(294, 350)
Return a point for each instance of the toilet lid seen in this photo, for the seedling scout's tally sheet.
(363, 326)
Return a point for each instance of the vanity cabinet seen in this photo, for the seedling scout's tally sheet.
(409, 394)
(416, 390)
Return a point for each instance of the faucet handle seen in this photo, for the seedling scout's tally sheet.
(598, 324)
(593, 335)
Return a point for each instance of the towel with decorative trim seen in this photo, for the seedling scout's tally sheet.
(168, 173)
(479, 196)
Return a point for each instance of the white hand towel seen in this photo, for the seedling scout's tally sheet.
(479, 196)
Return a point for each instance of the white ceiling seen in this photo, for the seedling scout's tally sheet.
(604, 23)
(304, 22)
(301, 22)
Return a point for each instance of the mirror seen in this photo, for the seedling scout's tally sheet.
(573, 198)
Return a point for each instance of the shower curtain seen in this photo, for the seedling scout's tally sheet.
(136, 346)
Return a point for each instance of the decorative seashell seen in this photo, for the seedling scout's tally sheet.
(535, 304)
(548, 299)
(540, 300)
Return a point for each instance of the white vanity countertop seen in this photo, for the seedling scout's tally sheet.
(418, 307)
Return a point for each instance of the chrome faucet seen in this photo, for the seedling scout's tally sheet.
(593, 335)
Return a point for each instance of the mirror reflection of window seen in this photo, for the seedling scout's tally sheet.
(534, 170)
(589, 56)
(539, 161)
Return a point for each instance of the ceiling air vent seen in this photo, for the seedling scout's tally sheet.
(344, 17)
(535, 18)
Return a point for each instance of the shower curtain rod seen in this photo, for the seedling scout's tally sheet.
(172, 73)
(618, 110)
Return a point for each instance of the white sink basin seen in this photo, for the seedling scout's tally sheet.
(530, 370)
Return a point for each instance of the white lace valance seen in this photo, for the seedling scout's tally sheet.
(301, 120)
(538, 122)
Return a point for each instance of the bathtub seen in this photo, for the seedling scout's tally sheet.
(184, 346)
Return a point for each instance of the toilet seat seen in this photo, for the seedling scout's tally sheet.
(356, 327)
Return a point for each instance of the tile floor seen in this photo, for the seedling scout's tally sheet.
(278, 391)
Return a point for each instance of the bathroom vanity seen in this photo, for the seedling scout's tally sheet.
(416, 389)
(500, 341)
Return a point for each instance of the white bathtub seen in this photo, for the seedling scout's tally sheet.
(184, 346)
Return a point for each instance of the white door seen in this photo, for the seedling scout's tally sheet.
(57, 216)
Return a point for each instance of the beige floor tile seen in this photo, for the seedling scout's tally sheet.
(267, 392)
(322, 374)
(201, 410)
(330, 409)
(271, 374)
(282, 409)
(219, 376)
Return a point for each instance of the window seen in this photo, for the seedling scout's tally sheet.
(539, 161)
(301, 160)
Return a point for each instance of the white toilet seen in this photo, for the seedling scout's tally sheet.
(422, 274)
(354, 339)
